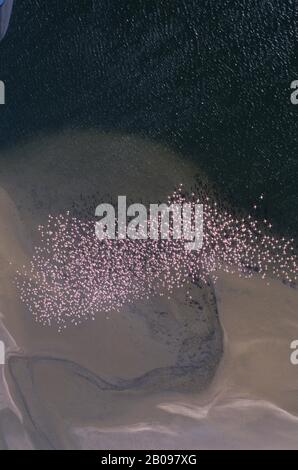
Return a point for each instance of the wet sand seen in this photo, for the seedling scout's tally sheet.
(159, 375)
(250, 403)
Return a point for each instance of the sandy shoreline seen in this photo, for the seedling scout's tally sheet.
(250, 403)
(144, 378)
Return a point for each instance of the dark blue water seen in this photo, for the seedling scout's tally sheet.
(209, 78)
